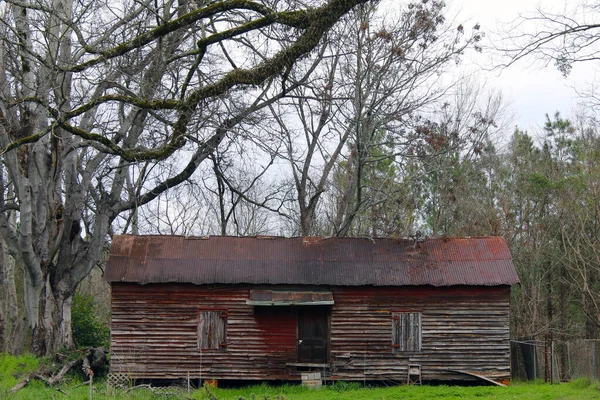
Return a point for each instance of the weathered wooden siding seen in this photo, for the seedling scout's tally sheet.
(463, 329)
(154, 333)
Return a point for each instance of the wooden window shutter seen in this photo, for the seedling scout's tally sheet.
(395, 331)
(406, 332)
(212, 330)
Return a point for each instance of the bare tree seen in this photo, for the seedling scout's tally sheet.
(312, 134)
(95, 93)
(451, 166)
(179, 211)
(560, 38)
(376, 91)
(372, 77)
(238, 183)
(214, 205)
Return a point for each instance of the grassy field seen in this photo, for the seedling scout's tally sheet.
(12, 369)
(581, 389)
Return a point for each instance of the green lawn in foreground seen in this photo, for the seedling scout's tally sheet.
(12, 369)
(581, 389)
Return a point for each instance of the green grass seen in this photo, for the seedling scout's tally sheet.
(579, 389)
(571, 391)
(12, 369)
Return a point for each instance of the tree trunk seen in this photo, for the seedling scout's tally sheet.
(3, 303)
(549, 307)
(564, 366)
(590, 311)
(11, 338)
(307, 218)
(10, 329)
(49, 318)
(548, 373)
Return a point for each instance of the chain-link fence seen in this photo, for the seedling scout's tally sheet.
(555, 360)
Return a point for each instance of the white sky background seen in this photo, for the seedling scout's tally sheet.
(531, 89)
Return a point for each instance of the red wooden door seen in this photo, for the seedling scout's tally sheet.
(313, 335)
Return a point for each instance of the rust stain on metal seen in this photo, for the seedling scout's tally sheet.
(308, 240)
(311, 261)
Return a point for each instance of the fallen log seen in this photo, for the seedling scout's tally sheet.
(63, 371)
(92, 358)
(20, 385)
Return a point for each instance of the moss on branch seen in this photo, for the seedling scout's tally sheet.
(171, 26)
(131, 155)
(321, 20)
(316, 22)
(154, 104)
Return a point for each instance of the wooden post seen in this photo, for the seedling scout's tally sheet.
(87, 369)
(91, 386)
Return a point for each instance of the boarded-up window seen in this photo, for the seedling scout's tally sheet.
(406, 331)
(212, 330)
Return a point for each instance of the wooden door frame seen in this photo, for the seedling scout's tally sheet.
(327, 311)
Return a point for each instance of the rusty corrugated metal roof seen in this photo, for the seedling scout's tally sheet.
(310, 261)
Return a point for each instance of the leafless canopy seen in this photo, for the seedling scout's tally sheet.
(98, 99)
(559, 38)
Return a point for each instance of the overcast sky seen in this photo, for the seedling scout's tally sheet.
(532, 90)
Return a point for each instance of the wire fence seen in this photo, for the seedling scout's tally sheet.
(555, 360)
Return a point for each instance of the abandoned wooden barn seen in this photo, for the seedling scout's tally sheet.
(270, 308)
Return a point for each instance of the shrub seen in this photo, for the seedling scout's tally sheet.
(582, 382)
(88, 329)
